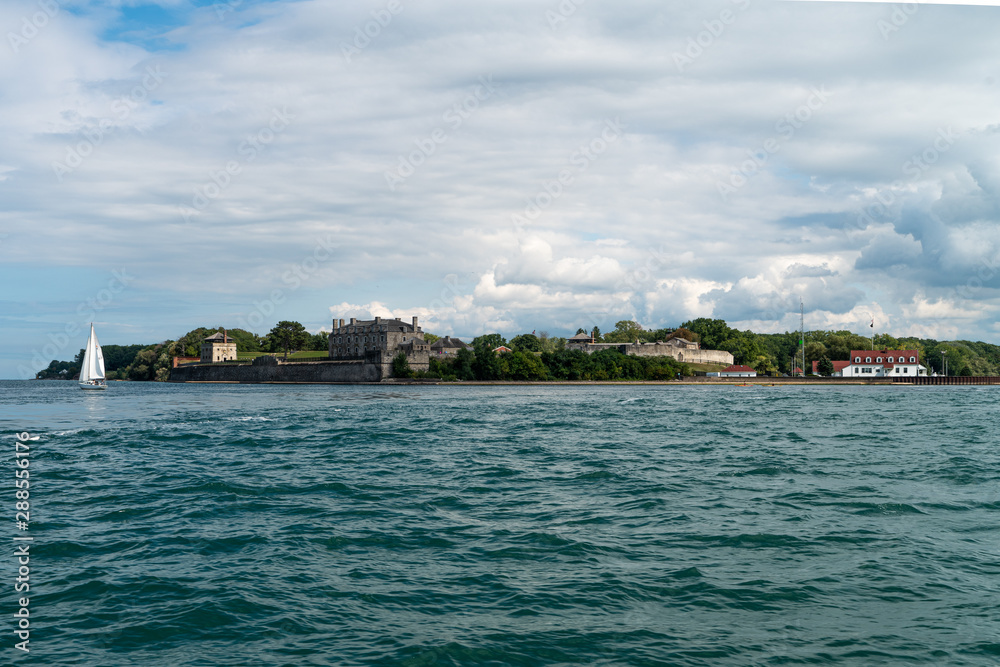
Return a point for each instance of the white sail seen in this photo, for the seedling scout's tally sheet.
(93, 360)
(87, 358)
(97, 358)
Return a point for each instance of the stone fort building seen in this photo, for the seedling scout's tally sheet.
(378, 341)
(218, 347)
(680, 349)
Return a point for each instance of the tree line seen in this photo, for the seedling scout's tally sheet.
(541, 357)
(781, 353)
(153, 362)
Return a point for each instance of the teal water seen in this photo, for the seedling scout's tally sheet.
(631, 525)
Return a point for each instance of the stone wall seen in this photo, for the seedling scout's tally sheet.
(269, 369)
(688, 356)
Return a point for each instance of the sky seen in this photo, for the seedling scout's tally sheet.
(498, 166)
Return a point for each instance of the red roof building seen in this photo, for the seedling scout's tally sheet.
(838, 367)
(879, 363)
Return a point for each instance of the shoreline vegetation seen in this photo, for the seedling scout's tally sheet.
(542, 359)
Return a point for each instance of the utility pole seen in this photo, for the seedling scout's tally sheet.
(802, 332)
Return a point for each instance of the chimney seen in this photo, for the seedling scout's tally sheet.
(341, 323)
(353, 320)
(378, 320)
(225, 337)
(414, 324)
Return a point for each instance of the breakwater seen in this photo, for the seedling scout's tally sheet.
(981, 380)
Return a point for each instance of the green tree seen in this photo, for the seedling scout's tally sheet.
(318, 342)
(825, 367)
(487, 366)
(289, 335)
(527, 342)
(463, 365)
(430, 338)
(401, 367)
(119, 356)
(681, 332)
(764, 365)
(815, 351)
(521, 365)
(712, 333)
(745, 346)
(625, 331)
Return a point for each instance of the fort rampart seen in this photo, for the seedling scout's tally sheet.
(688, 355)
(270, 370)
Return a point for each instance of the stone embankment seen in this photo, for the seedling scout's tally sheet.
(268, 369)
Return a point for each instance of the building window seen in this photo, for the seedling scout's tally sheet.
(868, 360)
(857, 360)
(890, 360)
(913, 360)
(879, 359)
(906, 370)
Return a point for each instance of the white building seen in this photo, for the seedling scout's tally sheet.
(882, 363)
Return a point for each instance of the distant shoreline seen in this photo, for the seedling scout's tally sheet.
(780, 382)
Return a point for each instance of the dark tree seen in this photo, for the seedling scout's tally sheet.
(825, 366)
(526, 342)
(289, 335)
(401, 367)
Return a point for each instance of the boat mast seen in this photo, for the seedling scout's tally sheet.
(85, 374)
(802, 334)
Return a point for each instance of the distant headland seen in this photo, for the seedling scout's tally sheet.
(391, 349)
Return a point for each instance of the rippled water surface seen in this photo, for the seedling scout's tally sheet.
(614, 525)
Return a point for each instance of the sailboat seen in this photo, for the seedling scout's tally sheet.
(92, 371)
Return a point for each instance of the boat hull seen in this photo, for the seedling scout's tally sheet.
(87, 385)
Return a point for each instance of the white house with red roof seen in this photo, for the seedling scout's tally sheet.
(879, 363)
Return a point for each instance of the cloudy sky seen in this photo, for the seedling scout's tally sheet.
(494, 166)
